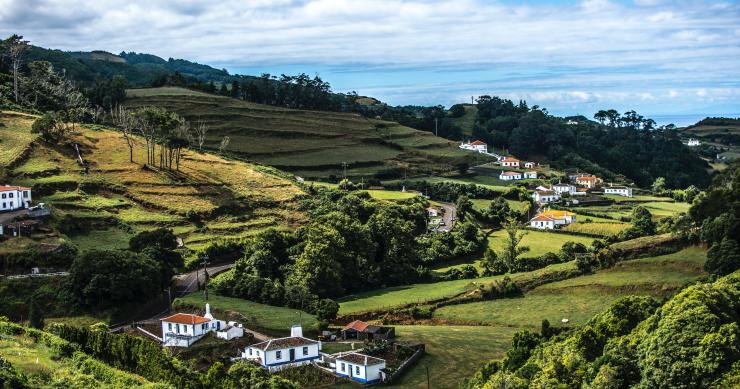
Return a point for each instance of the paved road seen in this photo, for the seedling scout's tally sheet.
(188, 282)
(448, 216)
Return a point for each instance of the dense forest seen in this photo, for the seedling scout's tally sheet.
(626, 144)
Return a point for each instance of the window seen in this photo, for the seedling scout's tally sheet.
(25, 194)
(4, 195)
(169, 326)
(250, 351)
(3, 205)
(357, 370)
(10, 195)
(258, 353)
(342, 367)
(278, 354)
(305, 351)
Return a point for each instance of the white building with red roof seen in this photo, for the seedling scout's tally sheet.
(359, 367)
(184, 329)
(14, 197)
(510, 162)
(510, 176)
(276, 354)
(476, 145)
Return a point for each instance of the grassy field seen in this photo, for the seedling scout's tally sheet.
(467, 121)
(659, 207)
(274, 321)
(391, 194)
(400, 295)
(483, 204)
(539, 242)
(145, 198)
(15, 139)
(308, 143)
(578, 299)
(600, 228)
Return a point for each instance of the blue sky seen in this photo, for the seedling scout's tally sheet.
(672, 60)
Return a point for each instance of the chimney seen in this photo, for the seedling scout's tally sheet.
(208, 312)
(296, 331)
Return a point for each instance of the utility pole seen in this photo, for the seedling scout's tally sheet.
(344, 166)
(205, 263)
(428, 385)
(435, 127)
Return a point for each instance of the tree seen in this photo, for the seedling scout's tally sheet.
(659, 186)
(17, 48)
(464, 205)
(642, 221)
(514, 238)
(723, 257)
(35, 315)
(126, 122)
(200, 130)
(224, 144)
(492, 264)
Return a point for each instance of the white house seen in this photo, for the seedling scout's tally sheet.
(619, 191)
(529, 165)
(359, 367)
(14, 197)
(510, 162)
(477, 145)
(588, 181)
(571, 122)
(693, 142)
(564, 188)
(545, 196)
(509, 176)
(275, 354)
(184, 329)
(551, 218)
(432, 212)
(531, 174)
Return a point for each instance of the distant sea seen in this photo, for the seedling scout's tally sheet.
(688, 119)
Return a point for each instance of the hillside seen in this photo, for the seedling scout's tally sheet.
(722, 135)
(210, 197)
(466, 122)
(309, 143)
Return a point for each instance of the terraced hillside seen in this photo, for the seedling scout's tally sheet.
(209, 198)
(309, 143)
(723, 133)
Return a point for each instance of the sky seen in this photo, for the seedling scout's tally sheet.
(675, 61)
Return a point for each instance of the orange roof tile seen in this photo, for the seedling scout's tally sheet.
(478, 143)
(8, 188)
(557, 214)
(186, 318)
(510, 159)
(357, 325)
(542, 218)
(511, 174)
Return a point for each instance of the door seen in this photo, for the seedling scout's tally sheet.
(292, 354)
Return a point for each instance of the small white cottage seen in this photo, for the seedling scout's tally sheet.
(561, 188)
(359, 367)
(184, 329)
(545, 196)
(510, 162)
(531, 174)
(619, 191)
(510, 176)
(14, 197)
(476, 145)
(275, 354)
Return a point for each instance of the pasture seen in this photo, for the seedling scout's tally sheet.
(578, 299)
(271, 320)
(391, 194)
(15, 138)
(539, 242)
(312, 144)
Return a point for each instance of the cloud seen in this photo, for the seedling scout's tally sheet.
(590, 52)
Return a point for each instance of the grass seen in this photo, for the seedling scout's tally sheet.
(539, 242)
(466, 122)
(603, 229)
(391, 194)
(109, 239)
(146, 198)
(483, 204)
(578, 299)
(15, 137)
(272, 320)
(453, 352)
(400, 295)
(312, 144)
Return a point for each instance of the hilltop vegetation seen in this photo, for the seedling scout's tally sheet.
(309, 143)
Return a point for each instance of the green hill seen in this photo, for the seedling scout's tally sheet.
(467, 121)
(209, 198)
(723, 134)
(311, 144)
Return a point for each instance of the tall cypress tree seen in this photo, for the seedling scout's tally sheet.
(35, 315)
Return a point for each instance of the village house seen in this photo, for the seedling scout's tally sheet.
(693, 142)
(363, 331)
(545, 196)
(529, 165)
(589, 182)
(509, 176)
(14, 197)
(275, 354)
(551, 219)
(184, 329)
(477, 145)
(531, 174)
(561, 188)
(509, 162)
(432, 212)
(580, 192)
(618, 190)
(360, 368)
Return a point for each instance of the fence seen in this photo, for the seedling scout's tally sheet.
(405, 365)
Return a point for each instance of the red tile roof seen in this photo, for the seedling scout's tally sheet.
(186, 318)
(357, 325)
(477, 143)
(8, 188)
(510, 159)
(542, 218)
(511, 174)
